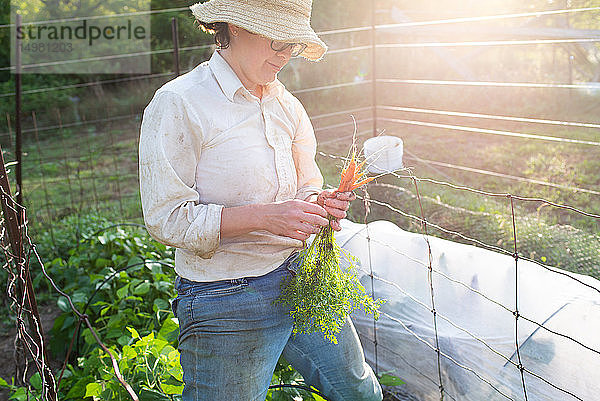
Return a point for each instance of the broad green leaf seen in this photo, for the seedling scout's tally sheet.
(152, 395)
(69, 321)
(135, 282)
(169, 327)
(171, 388)
(138, 241)
(134, 261)
(134, 333)
(158, 347)
(174, 356)
(115, 320)
(36, 381)
(176, 372)
(142, 289)
(122, 292)
(161, 304)
(133, 298)
(101, 262)
(167, 350)
(97, 278)
(19, 395)
(79, 297)
(128, 352)
(93, 390)
(58, 322)
(164, 286)
(77, 391)
(154, 267)
(389, 380)
(123, 340)
(88, 336)
(3, 383)
(67, 373)
(113, 332)
(123, 365)
(63, 304)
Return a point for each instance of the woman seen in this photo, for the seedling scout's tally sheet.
(228, 177)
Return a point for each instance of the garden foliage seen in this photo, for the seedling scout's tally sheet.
(123, 280)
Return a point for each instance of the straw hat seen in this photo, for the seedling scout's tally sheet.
(281, 20)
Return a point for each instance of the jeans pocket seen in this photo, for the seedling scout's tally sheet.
(174, 303)
(210, 288)
(293, 262)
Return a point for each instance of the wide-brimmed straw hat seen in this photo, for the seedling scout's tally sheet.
(281, 20)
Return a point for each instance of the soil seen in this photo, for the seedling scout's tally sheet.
(7, 346)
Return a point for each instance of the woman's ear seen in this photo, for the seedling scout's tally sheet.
(233, 30)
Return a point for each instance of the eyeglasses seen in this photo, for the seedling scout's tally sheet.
(297, 48)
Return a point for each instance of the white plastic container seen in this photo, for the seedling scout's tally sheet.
(383, 154)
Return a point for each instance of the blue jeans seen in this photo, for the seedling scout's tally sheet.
(231, 336)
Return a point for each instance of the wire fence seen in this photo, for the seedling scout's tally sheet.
(19, 249)
(92, 165)
(424, 224)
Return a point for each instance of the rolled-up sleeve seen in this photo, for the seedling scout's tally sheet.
(170, 146)
(304, 149)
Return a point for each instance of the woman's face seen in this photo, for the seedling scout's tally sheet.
(256, 62)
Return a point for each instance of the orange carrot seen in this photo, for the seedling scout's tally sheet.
(347, 176)
(361, 183)
(351, 174)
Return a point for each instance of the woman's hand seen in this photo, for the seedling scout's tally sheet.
(336, 204)
(294, 218)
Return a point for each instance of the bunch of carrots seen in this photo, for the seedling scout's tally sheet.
(351, 174)
(321, 295)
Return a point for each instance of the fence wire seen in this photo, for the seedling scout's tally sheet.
(542, 85)
(489, 116)
(423, 223)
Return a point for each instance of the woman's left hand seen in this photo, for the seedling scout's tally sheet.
(336, 204)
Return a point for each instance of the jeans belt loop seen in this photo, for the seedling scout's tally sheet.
(292, 261)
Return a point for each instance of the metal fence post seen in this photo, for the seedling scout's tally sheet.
(175, 36)
(374, 66)
(374, 111)
(14, 218)
(18, 90)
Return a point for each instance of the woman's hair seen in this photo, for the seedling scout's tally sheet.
(219, 29)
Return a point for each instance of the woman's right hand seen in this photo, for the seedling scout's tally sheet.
(294, 218)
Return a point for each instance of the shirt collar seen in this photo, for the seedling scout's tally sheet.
(230, 83)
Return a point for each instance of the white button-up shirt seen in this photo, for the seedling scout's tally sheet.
(207, 143)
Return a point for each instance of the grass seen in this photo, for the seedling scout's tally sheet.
(551, 235)
(77, 172)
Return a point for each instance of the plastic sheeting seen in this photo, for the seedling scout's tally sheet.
(476, 335)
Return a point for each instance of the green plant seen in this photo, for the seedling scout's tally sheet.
(119, 277)
(150, 363)
(321, 295)
(285, 375)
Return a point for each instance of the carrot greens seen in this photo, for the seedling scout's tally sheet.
(321, 295)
